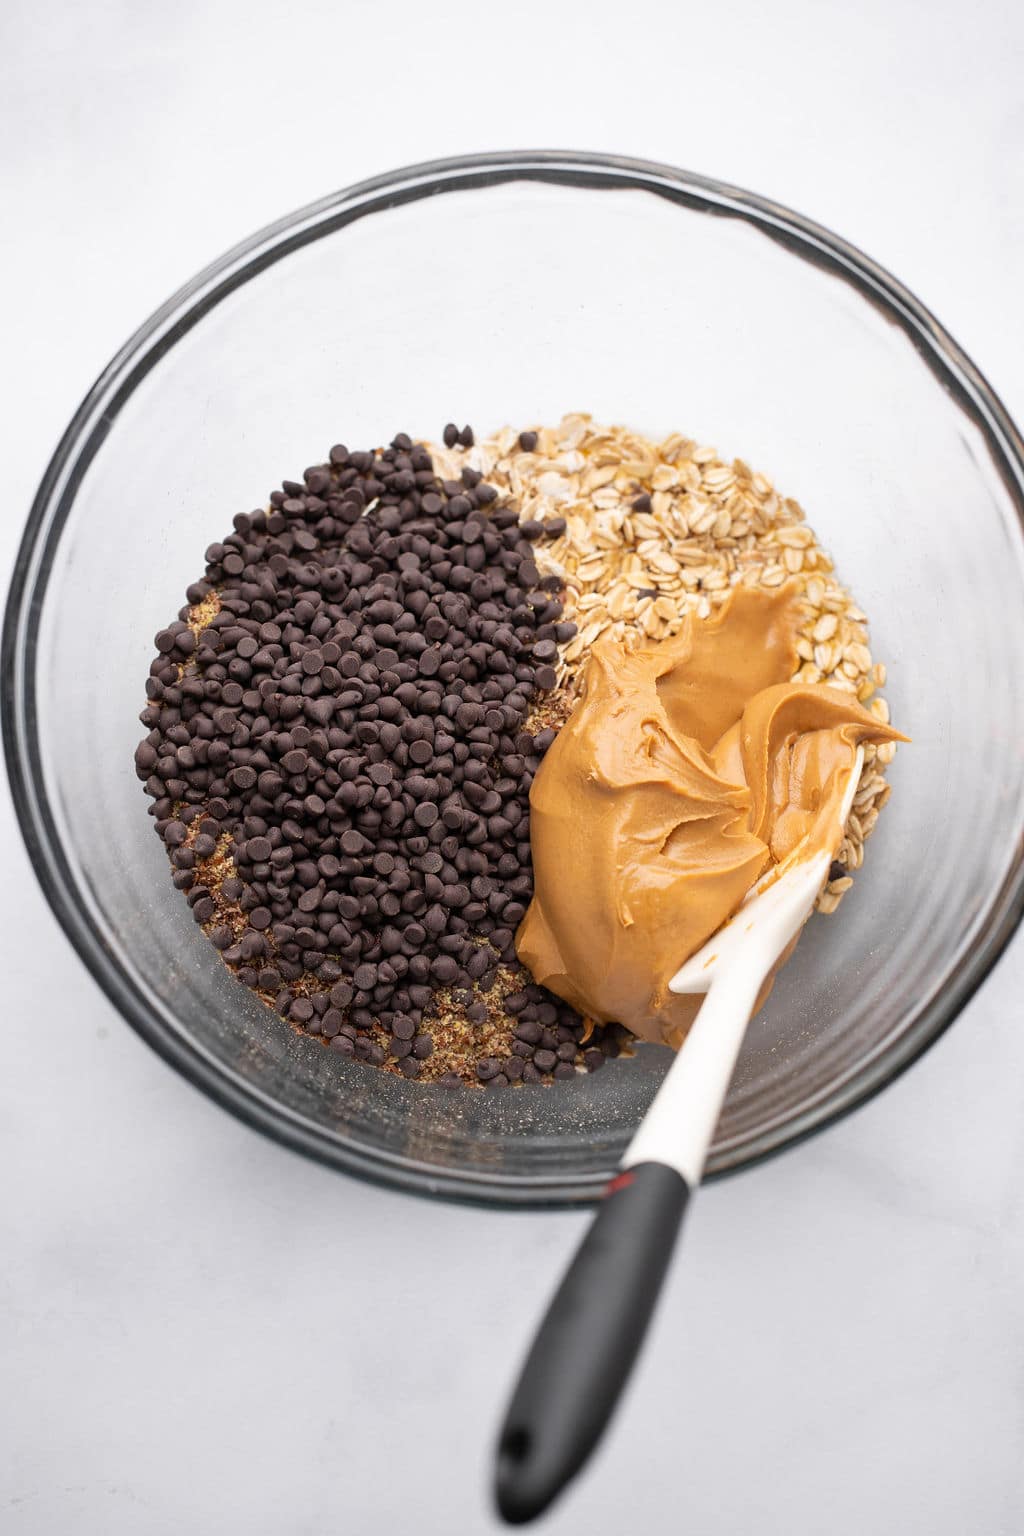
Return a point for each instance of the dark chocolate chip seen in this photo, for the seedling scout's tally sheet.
(347, 720)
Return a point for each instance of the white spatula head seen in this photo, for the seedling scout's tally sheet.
(772, 913)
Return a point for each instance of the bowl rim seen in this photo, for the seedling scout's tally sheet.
(85, 434)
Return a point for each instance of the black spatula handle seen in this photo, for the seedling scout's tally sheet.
(589, 1339)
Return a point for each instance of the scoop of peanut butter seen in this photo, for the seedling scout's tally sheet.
(689, 767)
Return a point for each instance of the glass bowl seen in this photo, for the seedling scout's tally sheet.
(512, 288)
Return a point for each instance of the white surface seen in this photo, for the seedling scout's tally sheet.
(203, 1333)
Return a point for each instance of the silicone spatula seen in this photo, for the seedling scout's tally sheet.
(590, 1336)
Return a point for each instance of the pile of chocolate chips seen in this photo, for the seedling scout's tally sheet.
(339, 765)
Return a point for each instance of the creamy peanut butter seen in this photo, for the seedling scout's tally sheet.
(687, 769)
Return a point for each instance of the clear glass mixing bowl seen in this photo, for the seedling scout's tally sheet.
(511, 288)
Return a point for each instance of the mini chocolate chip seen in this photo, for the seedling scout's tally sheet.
(346, 719)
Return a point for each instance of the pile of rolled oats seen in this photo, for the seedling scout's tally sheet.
(656, 530)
